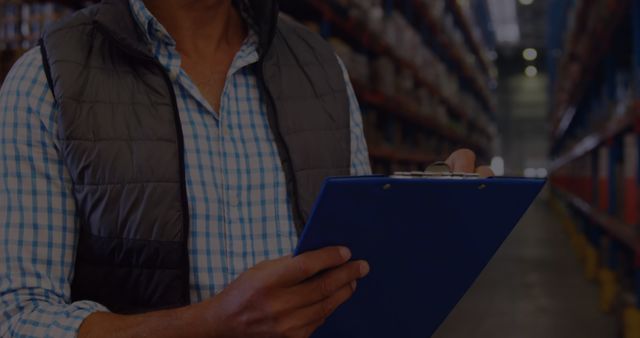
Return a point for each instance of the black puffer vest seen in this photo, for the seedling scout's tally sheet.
(121, 140)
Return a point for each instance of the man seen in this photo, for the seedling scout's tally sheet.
(153, 154)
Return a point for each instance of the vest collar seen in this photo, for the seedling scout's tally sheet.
(264, 14)
(116, 18)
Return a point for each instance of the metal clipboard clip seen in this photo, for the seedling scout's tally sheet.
(435, 170)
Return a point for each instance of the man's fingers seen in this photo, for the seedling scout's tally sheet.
(484, 171)
(309, 264)
(326, 307)
(318, 312)
(324, 285)
(463, 160)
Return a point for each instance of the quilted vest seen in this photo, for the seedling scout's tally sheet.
(121, 140)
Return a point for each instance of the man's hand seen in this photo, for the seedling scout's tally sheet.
(286, 297)
(464, 160)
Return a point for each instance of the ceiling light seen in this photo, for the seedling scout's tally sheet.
(531, 71)
(504, 17)
(530, 54)
(526, 2)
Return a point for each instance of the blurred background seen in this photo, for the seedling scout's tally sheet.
(537, 88)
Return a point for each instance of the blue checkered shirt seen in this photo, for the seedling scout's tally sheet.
(238, 203)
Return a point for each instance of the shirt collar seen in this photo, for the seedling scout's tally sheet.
(163, 45)
(153, 30)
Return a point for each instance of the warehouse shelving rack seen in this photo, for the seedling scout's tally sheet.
(395, 106)
(585, 55)
(488, 67)
(453, 55)
(11, 48)
(595, 172)
(334, 20)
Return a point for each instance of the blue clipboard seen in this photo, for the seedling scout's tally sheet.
(426, 240)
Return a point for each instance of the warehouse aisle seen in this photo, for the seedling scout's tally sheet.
(533, 288)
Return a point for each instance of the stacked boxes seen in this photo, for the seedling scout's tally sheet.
(413, 97)
(21, 24)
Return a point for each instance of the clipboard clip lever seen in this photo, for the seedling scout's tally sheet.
(435, 170)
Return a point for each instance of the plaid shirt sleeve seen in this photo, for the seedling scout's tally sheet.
(38, 226)
(359, 153)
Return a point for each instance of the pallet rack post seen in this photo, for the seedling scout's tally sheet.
(603, 178)
(615, 157)
(635, 22)
(631, 168)
(608, 245)
(632, 313)
(595, 191)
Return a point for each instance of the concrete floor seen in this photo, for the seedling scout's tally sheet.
(533, 288)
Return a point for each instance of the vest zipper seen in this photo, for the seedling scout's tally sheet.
(183, 183)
